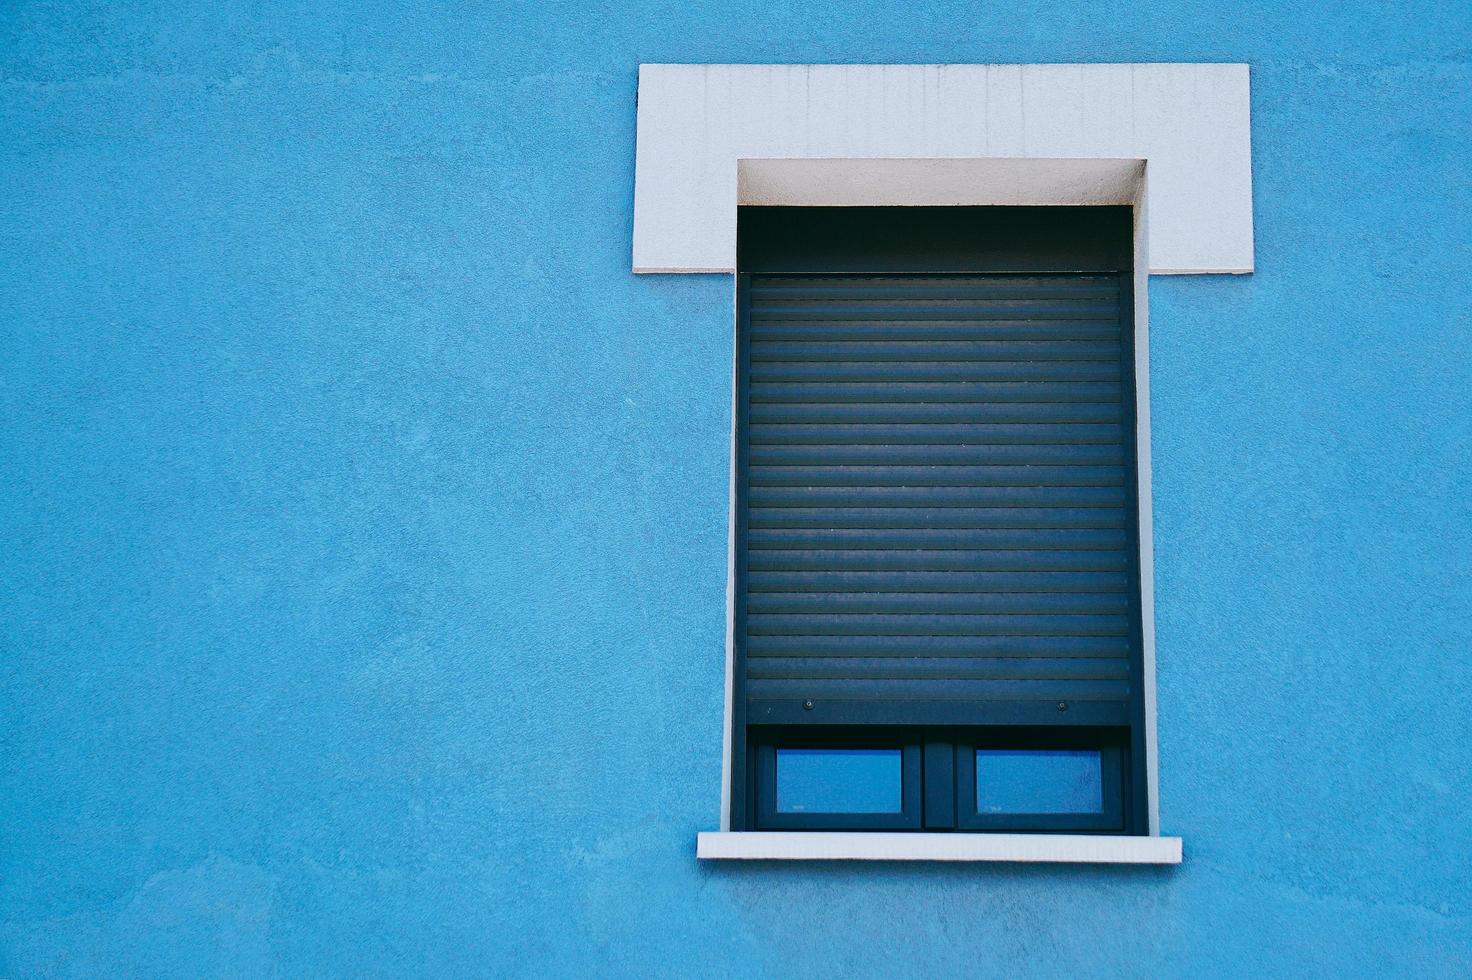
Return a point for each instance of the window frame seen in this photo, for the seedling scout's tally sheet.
(938, 778)
(1112, 817)
(1036, 256)
(767, 816)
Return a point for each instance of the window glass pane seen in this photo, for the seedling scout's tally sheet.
(838, 781)
(1039, 781)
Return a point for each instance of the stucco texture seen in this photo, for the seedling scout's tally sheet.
(363, 581)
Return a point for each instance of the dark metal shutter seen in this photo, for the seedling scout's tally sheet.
(938, 511)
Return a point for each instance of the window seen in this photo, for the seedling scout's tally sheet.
(937, 594)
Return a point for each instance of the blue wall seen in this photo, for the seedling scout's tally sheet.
(362, 590)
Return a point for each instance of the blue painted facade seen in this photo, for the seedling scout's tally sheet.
(362, 597)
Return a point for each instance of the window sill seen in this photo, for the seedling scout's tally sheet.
(1049, 848)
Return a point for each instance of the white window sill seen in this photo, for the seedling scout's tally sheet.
(1054, 848)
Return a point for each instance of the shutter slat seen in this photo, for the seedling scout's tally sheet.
(913, 412)
(937, 490)
(831, 560)
(941, 668)
(933, 454)
(877, 624)
(935, 433)
(907, 331)
(934, 391)
(894, 689)
(936, 517)
(938, 539)
(1021, 583)
(953, 351)
(1005, 309)
(937, 646)
(939, 603)
(937, 497)
(936, 476)
(840, 372)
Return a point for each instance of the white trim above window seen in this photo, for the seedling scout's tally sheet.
(714, 136)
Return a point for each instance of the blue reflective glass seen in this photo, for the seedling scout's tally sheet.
(838, 781)
(1039, 781)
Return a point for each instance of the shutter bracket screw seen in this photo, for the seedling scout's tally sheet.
(1062, 705)
(807, 706)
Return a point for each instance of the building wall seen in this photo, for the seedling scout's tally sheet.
(362, 600)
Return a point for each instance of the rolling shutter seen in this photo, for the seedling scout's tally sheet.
(937, 509)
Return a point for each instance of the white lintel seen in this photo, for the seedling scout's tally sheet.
(711, 137)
